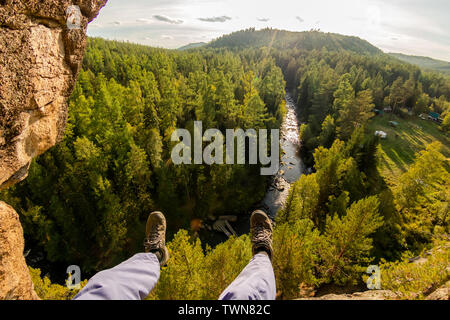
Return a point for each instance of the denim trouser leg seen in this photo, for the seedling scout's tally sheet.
(133, 279)
(256, 281)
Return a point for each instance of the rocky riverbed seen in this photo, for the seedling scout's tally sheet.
(291, 166)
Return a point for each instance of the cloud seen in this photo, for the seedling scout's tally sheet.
(167, 19)
(166, 37)
(299, 19)
(143, 20)
(263, 19)
(117, 23)
(215, 19)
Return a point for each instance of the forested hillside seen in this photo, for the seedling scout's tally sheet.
(193, 46)
(424, 62)
(281, 39)
(338, 93)
(86, 201)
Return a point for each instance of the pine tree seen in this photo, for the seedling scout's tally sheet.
(347, 243)
(296, 257)
(223, 264)
(328, 134)
(422, 196)
(344, 100)
(302, 201)
(182, 278)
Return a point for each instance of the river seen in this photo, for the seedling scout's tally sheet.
(291, 166)
(291, 169)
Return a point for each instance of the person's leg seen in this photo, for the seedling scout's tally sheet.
(135, 278)
(257, 280)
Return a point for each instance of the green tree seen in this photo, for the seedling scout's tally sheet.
(296, 257)
(302, 201)
(346, 246)
(223, 264)
(182, 278)
(422, 196)
(328, 134)
(446, 123)
(398, 95)
(422, 104)
(353, 111)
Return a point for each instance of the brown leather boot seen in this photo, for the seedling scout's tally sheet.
(261, 233)
(155, 237)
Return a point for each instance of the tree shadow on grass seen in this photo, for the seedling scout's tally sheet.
(401, 160)
(387, 240)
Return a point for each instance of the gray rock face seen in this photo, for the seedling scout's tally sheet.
(42, 43)
(41, 51)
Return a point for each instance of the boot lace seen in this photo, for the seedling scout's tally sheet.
(261, 236)
(153, 241)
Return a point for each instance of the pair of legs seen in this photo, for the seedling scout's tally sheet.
(135, 278)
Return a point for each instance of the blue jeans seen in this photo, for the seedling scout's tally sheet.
(135, 278)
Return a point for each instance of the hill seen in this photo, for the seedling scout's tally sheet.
(307, 40)
(424, 62)
(192, 46)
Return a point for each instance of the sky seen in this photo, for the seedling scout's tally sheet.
(416, 27)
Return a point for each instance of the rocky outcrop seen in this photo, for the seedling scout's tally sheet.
(40, 56)
(443, 293)
(42, 43)
(15, 281)
(365, 295)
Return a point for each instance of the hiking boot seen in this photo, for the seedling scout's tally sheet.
(155, 237)
(261, 233)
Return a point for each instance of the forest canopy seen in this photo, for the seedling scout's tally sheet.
(86, 201)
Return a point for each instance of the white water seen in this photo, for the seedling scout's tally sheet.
(291, 167)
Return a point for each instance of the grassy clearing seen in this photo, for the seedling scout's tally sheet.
(398, 151)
